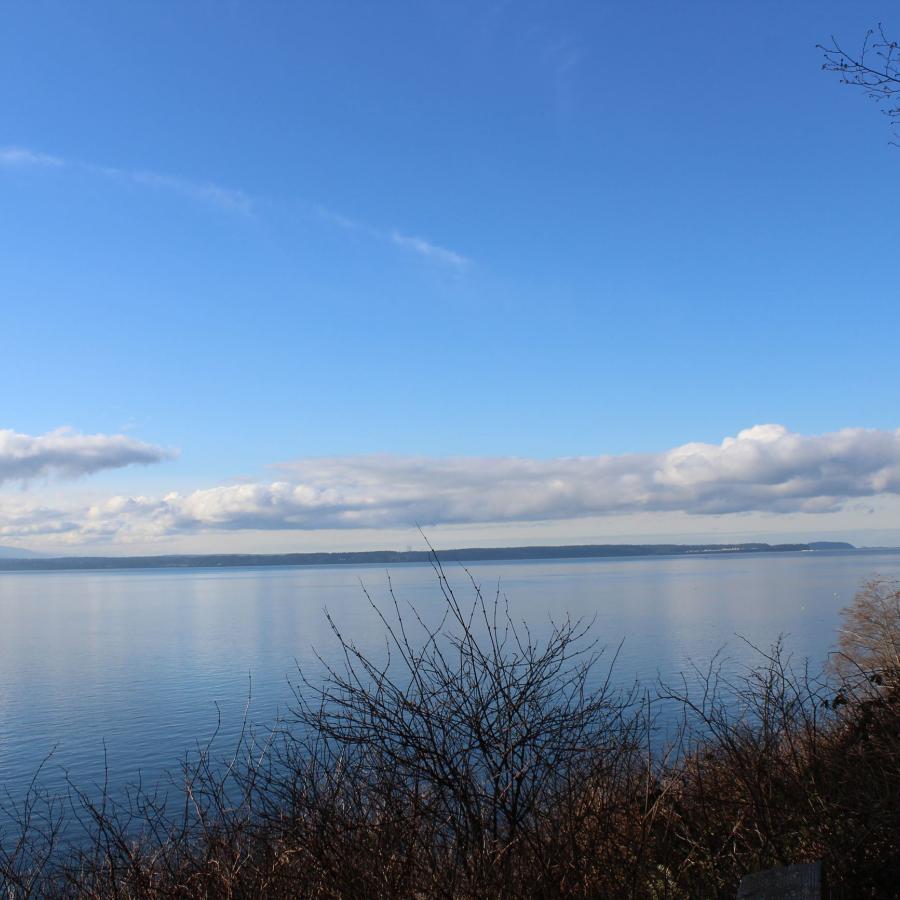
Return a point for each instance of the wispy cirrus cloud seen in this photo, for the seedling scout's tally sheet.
(766, 469)
(225, 198)
(417, 245)
(19, 156)
(67, 454)
(430, 251)
(563, 57)
(229, 199)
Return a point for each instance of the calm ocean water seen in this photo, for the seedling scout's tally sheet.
(144, 661)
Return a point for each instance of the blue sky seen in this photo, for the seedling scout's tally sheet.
(251, 234)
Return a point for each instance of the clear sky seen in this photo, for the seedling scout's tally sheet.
(301, 275)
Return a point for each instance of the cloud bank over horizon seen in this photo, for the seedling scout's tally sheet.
(65, 453)
(764, 469)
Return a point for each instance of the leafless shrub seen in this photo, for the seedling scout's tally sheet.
(751, 775)
(869, 638)
(474, 736)
(784, 766)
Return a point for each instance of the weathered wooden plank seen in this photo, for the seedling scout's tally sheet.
(800, 882)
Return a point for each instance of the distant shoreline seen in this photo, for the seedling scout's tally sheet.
(392, 557)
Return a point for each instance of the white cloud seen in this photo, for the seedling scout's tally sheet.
(205, 191)
(429, 250)
(421, 247)
(764, 469)
(67, 454)
(226, 198)
(208, 192)
(19, 156)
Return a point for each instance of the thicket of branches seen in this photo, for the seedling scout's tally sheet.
(473, 761)
(874, 69)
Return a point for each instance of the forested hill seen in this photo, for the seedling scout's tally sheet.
(391, 557)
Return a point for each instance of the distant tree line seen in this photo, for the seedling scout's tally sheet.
(391, 557)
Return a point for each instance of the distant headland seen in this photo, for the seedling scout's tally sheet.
(395, 557)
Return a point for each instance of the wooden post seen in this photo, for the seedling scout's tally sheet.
(801, 882)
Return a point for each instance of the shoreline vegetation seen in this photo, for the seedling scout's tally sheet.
(476, 762)
(399, 557)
